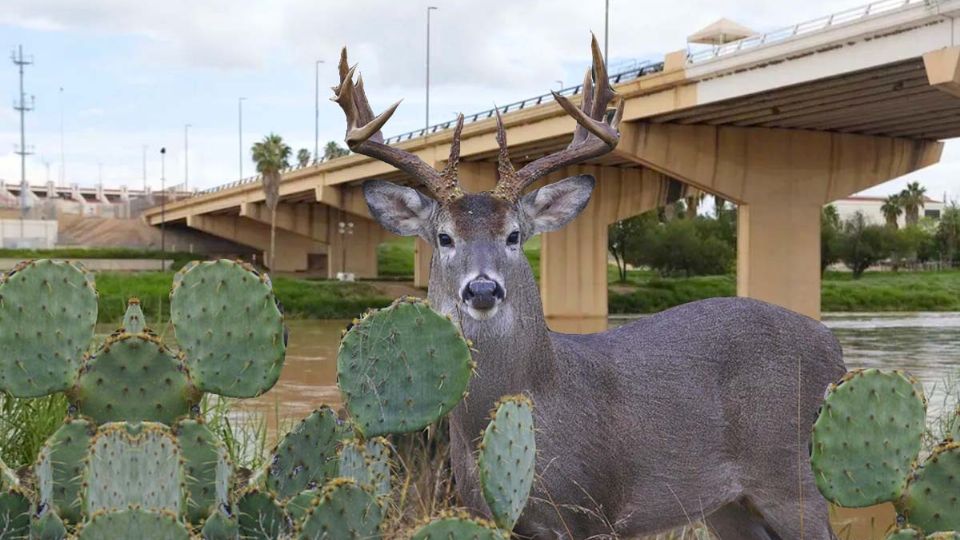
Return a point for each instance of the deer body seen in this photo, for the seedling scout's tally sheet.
(702, 411)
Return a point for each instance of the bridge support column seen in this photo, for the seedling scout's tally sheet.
(293, 250)
(356, 252)
(422, 254)
(780, 178)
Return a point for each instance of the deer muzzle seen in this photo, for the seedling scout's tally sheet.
(482, 293)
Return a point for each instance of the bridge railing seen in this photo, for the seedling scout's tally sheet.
(819, 24)
(628, 71)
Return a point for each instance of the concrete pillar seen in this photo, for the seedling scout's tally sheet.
(356, 252)
(422, 254)
(293, 250)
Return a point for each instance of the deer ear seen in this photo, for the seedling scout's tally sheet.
(401, 210)
(553, 206)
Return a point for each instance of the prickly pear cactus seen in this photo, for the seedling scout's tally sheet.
(307, 455)
(133, 464)
(945, 535)
(367, 463)
(133, 320)
(207, 468)
(402, 368)
(227, 322)
(506, 462)
(460, 526)
(15, 508)
(343, 510)
(59, 468)
(931, 499)
(47, 320)
(221, 525)
(260, 516)
(297, 506)
(134, 377)
(905, 533)
(8, 478)
(47, 525)
(133, 523)
(867, 437)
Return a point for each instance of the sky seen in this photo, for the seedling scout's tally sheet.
(134, 74)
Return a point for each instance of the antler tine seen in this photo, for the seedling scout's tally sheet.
(450, 174)
(594, 136)
(364, 137)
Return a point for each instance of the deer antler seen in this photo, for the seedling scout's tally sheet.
(364, 137)
(593, 137)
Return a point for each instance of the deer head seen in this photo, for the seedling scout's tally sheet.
(477, 237)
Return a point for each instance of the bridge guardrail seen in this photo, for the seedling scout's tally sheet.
(873, 9)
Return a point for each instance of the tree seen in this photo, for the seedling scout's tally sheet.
(303, 157)
(863, 244)
(830, 233)
(948, 233)
(912, 199)
(690, 247)
(272, 156)
(333, 150)
(629, 239)
(892, 210)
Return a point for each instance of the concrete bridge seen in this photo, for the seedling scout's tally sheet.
(780, 123)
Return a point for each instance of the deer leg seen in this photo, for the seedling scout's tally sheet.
(736, 521)
(782, 513)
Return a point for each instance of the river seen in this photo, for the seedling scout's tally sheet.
(925, 344)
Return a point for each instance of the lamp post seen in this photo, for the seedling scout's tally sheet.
(63, 161)
(559, 82)
(345, 229)
(186, 157)
(606, 34)
(316, 111)
(240, 134)
(163, 208)
(426, 123)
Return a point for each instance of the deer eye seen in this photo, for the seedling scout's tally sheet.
(513, 238)
(444, 240)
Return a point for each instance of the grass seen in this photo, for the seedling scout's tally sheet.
(301, 298)
(179, 258)
(395, 258)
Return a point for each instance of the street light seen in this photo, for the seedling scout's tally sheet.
(63, 162)
(316, 111)
(186, 158)
(240, 133)
(426, 123)
(163, 208)
(606, 34)
(559, 82)
(345, 229)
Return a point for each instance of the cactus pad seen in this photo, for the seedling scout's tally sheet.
(133, 464)
(134, 377)
(48, 310)
(906, 533)
(133, 320)
(307, 456)
(15, 508)
(59, 468)
(931, 499)
(298, 505)
(221, 525)
(367, 463)
(343, 510)
(402, 368)
(227, 322)
(945, 535)
(260, 517)
(867, 436)
(206, 467)
(459, 526)
(507, 458)
(47, 525)
(133, 523)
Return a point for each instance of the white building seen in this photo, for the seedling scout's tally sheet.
(870, 207)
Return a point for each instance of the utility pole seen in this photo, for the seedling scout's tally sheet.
(22, 107)
(316, 111)
(426, 122)
(144, 169)
(186, 158)
(163, 208)
(240, 133)
(63, 160)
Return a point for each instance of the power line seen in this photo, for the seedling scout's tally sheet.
(22, 107)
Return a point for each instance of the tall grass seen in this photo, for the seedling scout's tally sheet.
(25, 424)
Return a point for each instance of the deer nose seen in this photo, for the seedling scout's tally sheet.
(482, 293)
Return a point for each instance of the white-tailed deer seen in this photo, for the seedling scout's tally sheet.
(702, 411)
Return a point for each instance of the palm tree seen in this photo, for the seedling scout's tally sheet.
(333, 150)
(912, 199)
(892, 210)
(303, 157)
(271, 156)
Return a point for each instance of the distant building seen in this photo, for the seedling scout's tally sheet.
(870, 207)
